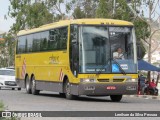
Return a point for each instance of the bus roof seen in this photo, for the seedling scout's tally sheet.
(76, 21)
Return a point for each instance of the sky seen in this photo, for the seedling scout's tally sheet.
(6, 24)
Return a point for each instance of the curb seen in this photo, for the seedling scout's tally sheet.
(144, 96)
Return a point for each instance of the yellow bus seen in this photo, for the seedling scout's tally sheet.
(77, 57)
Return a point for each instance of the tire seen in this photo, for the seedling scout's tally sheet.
(19, 89)
(28, 85)
(13, 88)
(33, 86)
(67, 89)
(62, 95)
(116, 98)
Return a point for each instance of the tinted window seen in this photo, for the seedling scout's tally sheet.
(44, 41)
(58, 38)
(21, 44)
(55, 39)
(63, 35)
(29, 42)
(7, 72)
(36, 42)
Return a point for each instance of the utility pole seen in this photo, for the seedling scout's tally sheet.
(150, 38)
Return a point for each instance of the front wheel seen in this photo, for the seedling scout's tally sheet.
(33, 88)
(67, 91)
(116, 98)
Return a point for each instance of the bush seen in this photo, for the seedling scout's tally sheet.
(2, 108)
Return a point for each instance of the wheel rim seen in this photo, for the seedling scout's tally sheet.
(27, 86)
(68, 88)
(33, 84)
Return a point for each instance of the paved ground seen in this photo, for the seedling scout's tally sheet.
(49, 101)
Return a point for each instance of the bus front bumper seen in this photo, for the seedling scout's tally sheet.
(107, 89)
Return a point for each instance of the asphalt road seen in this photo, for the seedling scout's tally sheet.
(49, 101)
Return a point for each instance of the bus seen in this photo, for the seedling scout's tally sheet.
(75, 57)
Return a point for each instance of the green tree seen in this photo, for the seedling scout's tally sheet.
(104, 9)
(7, 48)
(123, 11)
(38, 15)
(28, 15)
(78, 13)
(82, 8)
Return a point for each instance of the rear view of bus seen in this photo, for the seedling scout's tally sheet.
(99, 60)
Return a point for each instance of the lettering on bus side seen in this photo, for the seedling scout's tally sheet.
(53, 59)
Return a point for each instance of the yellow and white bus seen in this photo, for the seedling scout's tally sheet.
(75, 57)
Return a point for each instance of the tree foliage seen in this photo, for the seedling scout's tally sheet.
(141, 29)
(28, 15)
(7, 50)
(82, 8)
(104, 9)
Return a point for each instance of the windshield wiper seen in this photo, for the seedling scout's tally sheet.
(122, 71)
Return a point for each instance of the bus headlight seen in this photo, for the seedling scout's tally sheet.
(88, 80)
(131, 80)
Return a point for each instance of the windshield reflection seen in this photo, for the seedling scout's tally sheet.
(106, 50)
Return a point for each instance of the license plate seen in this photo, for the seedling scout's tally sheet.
(111, 88)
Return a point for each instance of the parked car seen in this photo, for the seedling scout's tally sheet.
(7, 79)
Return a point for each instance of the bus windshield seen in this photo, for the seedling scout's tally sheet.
(107, 49)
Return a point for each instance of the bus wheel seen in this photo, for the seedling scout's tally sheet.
(62, 95)
(116, 98)
(67, 90)
(33, 88)
(19, 89)
(28, 85)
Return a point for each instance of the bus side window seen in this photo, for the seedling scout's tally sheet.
(29, 42)
(21, 44)
(52, 43)
(63, 36)
(44, 41)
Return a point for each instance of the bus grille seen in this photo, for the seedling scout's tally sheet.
(118, 80)
(103, 80)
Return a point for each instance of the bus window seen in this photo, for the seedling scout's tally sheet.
(21, 44)
(29, 42)
(44, 41)
(36, 42)
(52, 43)
(63, 38)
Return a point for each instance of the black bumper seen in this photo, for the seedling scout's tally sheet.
(107, 89)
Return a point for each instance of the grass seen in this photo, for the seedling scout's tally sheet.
(2, 108)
